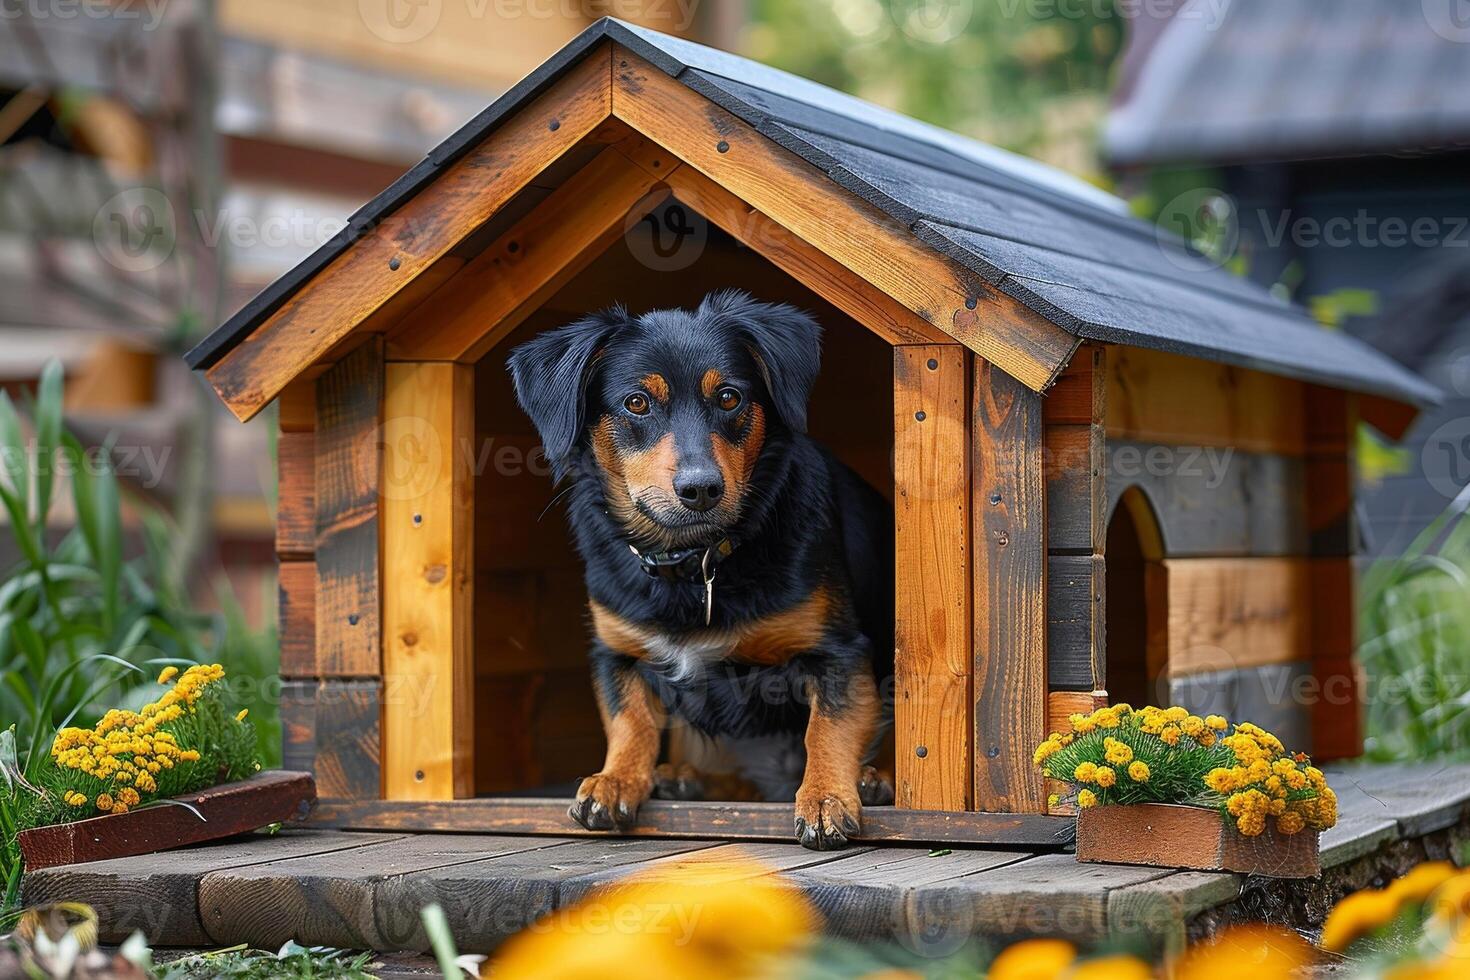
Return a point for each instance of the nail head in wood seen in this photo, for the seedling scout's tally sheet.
(933, 364)
(970, 303)
(394, 263)
(921, 750)
(920, 416)
(554, 125)
(352, 619)
(722, 146)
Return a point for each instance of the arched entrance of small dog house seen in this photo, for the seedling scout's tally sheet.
(1136, 602)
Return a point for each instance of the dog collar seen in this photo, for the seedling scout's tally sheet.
(688, 564)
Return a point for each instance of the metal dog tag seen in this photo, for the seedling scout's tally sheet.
(709, 598)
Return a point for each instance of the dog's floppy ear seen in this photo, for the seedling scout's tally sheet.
(551, 372)
(786, 344)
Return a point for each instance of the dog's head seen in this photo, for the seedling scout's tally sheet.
(674, 406)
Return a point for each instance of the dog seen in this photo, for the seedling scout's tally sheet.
(739, 577)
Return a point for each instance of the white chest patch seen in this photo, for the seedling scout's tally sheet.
(685, 657)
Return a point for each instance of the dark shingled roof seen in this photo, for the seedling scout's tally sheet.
(1294, 79)
(1056, 244)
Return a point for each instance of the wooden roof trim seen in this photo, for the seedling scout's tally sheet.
(806, 202)
(527, 263)
(394, 252)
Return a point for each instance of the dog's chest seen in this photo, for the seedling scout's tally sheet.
(687, 654)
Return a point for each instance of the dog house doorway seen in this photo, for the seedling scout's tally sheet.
(1136, 600)
(537, 725)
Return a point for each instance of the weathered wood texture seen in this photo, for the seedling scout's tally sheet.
(1234, 613)
(1075, 629)
(1214, 501)
(218, 812)
(348, 472)
(663, 818)
(410, 240)
(1337, 714)
(1191, 837)
(296, 605)
(296, 494)
(854, 233)
(1182, 401)
(331, 729)
(516, 273)
(1010, 597)
(1076, 486)
(931, 504)
(428, 498)
(491, 887)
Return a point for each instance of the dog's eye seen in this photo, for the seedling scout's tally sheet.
(637, 403)
(729, 399)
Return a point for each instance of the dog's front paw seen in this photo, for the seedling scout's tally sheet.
(824, 822)
(874, 787)
(607, 802)
(681, 782)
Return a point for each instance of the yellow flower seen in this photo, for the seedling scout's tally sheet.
(1034, 959)
(1086, 798)
(1117, 752)
(1175, 714)
(1258, 951)
(1106, 777)
(1085, 772)
(167, 674)
(1138, 772)
(1193, 726)
(129, 796)
(1115, 967)
(1290, 823)
(1421, 881)
(1169, 735)
(1044, 751)
(240, 716)
(104, 801)
(1452, 899)
(1082, 724)
(1216, 722)
(1355, 916)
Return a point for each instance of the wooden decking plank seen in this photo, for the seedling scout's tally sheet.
(1422, 799)
(331, 899)
(159, 894)
(488, 900)
(885, 894)
(1363, 824)
(1160, 909)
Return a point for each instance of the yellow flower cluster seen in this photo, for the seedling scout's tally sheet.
(1438, 886)
(127, 750)
(1172, 724)
(1264, 781)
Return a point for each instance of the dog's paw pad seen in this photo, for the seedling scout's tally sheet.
(874, 787)
(681, 782)
(602, 803)
(827, 823)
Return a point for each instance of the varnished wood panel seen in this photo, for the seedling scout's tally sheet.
(854, 233)
(296, 407)
(331, 729)
(296, 494)
(1010, 606)
(1233, 613)
(1175, 400)
(517, 272)
(411, 239)
(428, 586)
(348, 471)
(931, 504)
(297, 618)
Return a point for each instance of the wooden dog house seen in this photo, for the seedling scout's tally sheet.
(1045, 387)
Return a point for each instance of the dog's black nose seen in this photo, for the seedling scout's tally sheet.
(699, 488)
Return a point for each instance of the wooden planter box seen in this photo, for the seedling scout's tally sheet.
(1172, 836)
(234, 808)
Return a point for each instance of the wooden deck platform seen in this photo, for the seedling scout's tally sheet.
(363, 890)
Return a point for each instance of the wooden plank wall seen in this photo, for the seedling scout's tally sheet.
(1010, 604)
(327, 539)
(932, 643)
(1249, 477)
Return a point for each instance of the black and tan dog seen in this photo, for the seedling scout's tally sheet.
(739, 577)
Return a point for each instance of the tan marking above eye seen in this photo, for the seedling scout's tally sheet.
(711, 382)
(656, 386)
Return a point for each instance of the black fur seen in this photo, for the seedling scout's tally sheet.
(807, 521)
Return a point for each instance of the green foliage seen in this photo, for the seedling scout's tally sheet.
(293, 962)
(1176, 773)
(1414, 643)
(1031, 78)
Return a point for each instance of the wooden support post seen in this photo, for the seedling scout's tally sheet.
(428, 588)
(931, 503)
(1338, 712)
(1009, 535)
